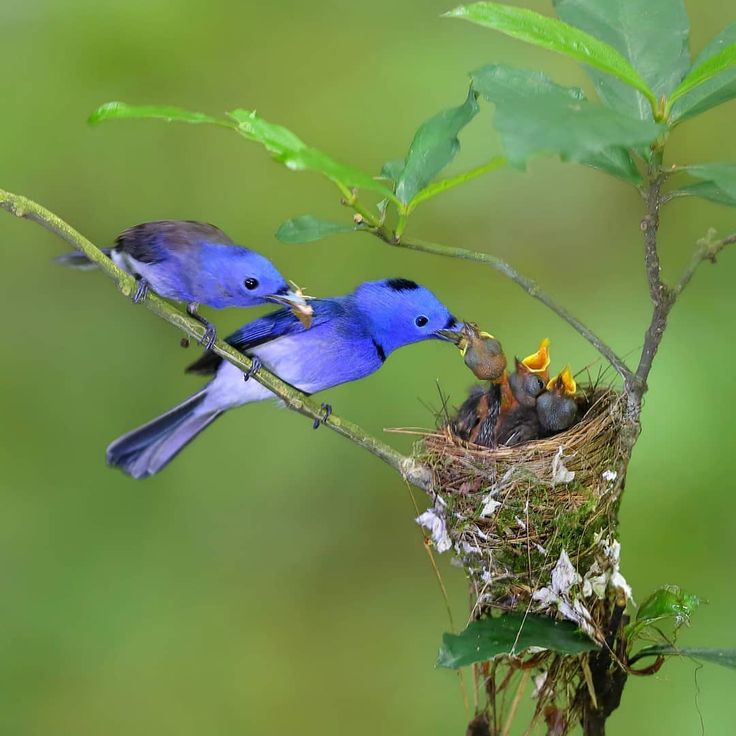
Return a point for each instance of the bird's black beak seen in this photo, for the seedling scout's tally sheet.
(296, 301)
(451, 332)
(288, 297)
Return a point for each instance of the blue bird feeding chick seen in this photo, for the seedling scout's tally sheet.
(197, 263)
(351, 337)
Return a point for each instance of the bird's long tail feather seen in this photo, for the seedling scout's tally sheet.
(148, 449)
(77, 259)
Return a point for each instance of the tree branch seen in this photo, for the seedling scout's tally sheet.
(707, 250)
(409, 469)
(661, 294)
(528, 285)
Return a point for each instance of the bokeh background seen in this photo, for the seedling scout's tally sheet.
(272, 580)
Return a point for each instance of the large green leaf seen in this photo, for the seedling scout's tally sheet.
(724, 657)
(706, 190)
(284, 145)
(535, 116)
(720, 62)
(510, 633)
(652, 35)
(120, 110)
(308, 228)
(715, 91)
(718, 182)
(555, 35)
(290, 150)
(435, 144)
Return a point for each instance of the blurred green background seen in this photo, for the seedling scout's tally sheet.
(272, 580)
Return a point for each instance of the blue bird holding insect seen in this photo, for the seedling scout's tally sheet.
(350, 337)
(196, 263)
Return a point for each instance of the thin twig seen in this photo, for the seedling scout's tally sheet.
(528, 285)
(412, 471)
(707, 250)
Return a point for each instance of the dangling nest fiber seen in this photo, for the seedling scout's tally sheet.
(514, 514)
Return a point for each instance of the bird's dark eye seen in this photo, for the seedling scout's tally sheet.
(421, 320)
(251, 284)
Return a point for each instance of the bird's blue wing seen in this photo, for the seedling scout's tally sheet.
(269, 327)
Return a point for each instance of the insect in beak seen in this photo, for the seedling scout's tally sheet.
(297, 301)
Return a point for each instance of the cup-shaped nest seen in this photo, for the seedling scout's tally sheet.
(516, 515)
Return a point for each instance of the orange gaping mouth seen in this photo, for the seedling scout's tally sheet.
(538, 362)
(564, 381)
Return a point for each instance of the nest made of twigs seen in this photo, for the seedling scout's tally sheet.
(509, 512)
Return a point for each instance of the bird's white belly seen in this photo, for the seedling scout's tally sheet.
(161, 280)
(309, 365)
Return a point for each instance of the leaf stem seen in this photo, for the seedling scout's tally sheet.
(412, 471)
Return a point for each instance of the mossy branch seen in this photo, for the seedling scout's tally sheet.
(410, 470)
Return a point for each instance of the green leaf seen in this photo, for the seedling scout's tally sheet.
(718, 182)
(307, 229)
(716, 91)
(706, 190)
(617, 162)
(724, 60)
(284, 145)
(392, 169)
(724, 657)
(653, 36)
(291, 151)
(443, 185)
(119, 110)
(510, 633)
(670, 601)
(435, 144)
(553, 34)
(535, 116)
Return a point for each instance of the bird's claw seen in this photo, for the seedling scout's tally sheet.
(325, 415)
(141, 291)
(255, 366)
(208, 338)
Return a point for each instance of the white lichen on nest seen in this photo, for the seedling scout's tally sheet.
(515, 515)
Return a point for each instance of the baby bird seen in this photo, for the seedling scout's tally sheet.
(482, 352)
(484, 356)
(539, 361)
(519, 422)
(468, 415)
(197, 263)
(556, 408)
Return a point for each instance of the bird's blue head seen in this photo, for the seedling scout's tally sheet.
(245, 278)
(400, 312)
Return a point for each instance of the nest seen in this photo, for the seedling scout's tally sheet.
(514, 515)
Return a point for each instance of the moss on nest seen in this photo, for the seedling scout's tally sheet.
(511, 511)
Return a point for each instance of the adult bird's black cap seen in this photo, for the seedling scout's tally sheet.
(402, 284)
